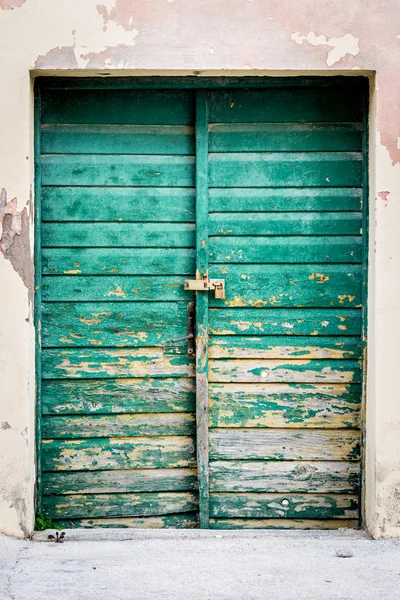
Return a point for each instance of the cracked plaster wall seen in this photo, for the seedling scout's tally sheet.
(232, 36)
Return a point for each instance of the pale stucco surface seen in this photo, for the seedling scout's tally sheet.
(132, 37)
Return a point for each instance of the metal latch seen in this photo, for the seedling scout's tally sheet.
(205, 285)
(191, 345)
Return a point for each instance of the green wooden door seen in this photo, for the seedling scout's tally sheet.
(273, 398)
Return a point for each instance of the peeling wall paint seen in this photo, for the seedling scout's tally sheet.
(165, 36)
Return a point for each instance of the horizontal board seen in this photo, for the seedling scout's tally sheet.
(292, 506)
(286, 249)
(125, 261)
(117, 235)
(118, 505)
(260, 286)
(117, 204)
(300, 524)
(287, 371)
(281, 321)
(328, 406)
(118, 170)
(284, 444)
(126, 425)
(280, 137)
(113, 396)
(180, 521)
(116, 139)
(98, 363)
(77, 288)
(286, 476)
(166, 452)
(285, 199)
(169, 107)
(112, 482)
(245, 346)
(104, 324)
(279, 223)
(292, 104)
(280, 169)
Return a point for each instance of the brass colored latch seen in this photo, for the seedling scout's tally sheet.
(205, 285)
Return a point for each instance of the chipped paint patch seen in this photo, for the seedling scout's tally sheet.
(341, 46)
(11, 4)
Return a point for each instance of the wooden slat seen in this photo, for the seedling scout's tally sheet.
(244, 346)
(119, 505)
(99, 364)
(281, 321)
(285, 371)
(278, 169)
(118, 169)
(118, 235)
(289, 105)
(321, 286)
(182, 521)
(113, 396)
(285, 199)
(117, 204)
(285, 405)
(124, 261)
(112, 482)
(286, 476)
(126, 425)
(285, 249)
(138, 288)
(103, 324)
(117, 139)
(291, 506)
(278, 137)
(315, 524)
(122, 106)
(166, 452)
(284, 444)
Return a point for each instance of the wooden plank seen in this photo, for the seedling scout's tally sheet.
(277, 169)
(118, 170)
(285, 476)
(97, 363)
(118, 204)
(140, 288)
(280, 137)
(245, 346)
(281, 321)
(202, 221)
(166, 452)
(103, 324)
(119, 235)
(112, 482)
(182, 521)
(285, 371)
(124, 261)
(122, 106)
(284, 444)
(285, 199)
(285, 405)
(320, 286)
(113, 396)
(302, 524)
(125, 425)
(119, 505)
(285, 105)
(117, 139)
(278, 506)
(293, 249)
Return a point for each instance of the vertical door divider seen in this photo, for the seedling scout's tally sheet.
(202, 304)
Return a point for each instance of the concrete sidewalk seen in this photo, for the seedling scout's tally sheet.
(170, 564)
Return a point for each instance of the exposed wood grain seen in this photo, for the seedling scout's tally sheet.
(315, 524)
(286, 476)
(180, 521)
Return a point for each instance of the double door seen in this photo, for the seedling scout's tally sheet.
(235, 405)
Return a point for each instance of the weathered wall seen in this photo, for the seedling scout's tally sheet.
(241, 36)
